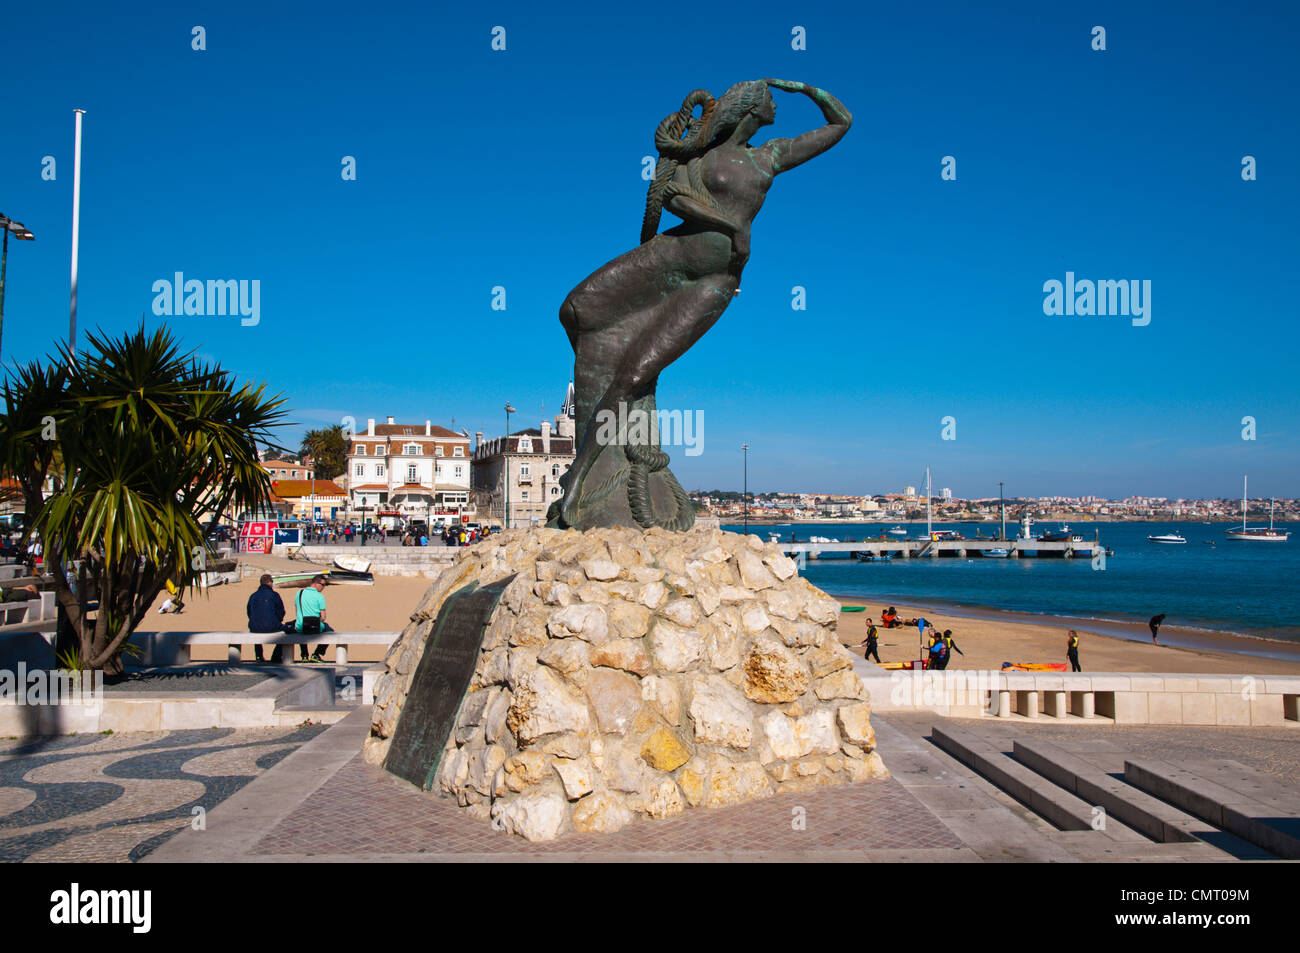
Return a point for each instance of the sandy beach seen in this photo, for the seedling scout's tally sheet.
(987, 642)
(1006, 637)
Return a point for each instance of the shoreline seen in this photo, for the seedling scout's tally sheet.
(1132, 630)
(1043, 635)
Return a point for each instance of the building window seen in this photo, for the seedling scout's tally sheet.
(523, 495)
(361, 450)
(437, 450)
(555, 469)
(360, 469)
(555, 491)
(410, 474)
(460, 472)
(379, 469)
(523, 469)
(458, 452)
(411, 450)
(525, 444)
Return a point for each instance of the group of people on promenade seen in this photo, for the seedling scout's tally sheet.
(345, 533)
(416, 534)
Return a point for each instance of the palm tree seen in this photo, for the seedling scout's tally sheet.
(151, 439)
(328, 449)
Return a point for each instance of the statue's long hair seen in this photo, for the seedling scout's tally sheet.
(682, 137)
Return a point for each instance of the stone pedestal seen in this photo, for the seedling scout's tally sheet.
(628, 674)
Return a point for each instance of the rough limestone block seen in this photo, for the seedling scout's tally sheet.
(628, 677)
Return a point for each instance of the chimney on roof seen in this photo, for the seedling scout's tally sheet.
(478, 440)
(390, 421)
(370, 427)
(428, 428)
(546, 436)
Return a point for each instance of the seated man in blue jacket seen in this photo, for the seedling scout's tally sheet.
(266, 614)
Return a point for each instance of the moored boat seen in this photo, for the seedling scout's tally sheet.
(1167, 538)
(1256, 534)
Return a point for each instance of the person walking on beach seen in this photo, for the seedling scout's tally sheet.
(1072, 651)
(871, 644)
(950, 646)
(265, 611)
(1155, 622)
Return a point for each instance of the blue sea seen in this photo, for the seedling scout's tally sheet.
(1244, 588)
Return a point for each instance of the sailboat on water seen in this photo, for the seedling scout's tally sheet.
(1256, 533)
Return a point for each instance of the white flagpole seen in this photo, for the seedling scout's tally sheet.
(76, 229)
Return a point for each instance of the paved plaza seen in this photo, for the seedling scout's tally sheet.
(118, 797)
(305, 795)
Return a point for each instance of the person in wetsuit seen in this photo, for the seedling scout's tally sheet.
(871, 644)
(1072, 651)
(950, 644)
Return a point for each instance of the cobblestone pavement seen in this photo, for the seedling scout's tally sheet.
(118, 797)
(364, 811)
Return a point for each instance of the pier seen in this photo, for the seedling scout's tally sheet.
(949, 548)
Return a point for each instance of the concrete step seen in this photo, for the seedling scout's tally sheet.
(297, 714)
(1057, 805)
(1269, 820)
(1155, 819)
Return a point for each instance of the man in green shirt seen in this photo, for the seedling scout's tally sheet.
(310, 606)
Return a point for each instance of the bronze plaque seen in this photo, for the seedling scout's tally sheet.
(441, 680)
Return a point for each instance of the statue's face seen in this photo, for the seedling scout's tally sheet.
(766, 110)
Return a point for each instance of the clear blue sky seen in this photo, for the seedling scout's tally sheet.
(523, 169)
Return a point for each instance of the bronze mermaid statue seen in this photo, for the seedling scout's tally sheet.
(637, 314)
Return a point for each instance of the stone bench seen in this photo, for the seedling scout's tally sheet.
(40, 609)
(176, 645)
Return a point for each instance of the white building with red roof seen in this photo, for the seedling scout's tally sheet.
(409, 471)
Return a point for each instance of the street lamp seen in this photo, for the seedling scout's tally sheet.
(745, 494)
(22, 234)
(505, 460)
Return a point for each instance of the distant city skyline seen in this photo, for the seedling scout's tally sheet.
(488, 183)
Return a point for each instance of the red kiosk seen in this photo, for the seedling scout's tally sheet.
(257, 532)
